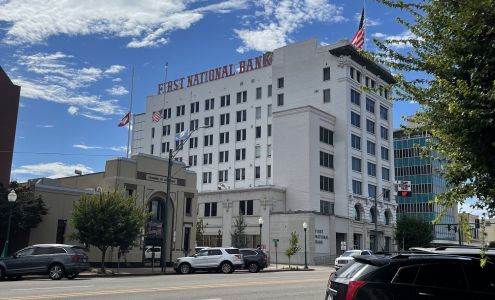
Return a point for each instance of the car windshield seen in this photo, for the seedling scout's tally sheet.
(351, 253)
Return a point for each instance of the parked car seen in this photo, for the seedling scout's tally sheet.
(224, 259)
(348, 256)
(149, 250)
(55, 260)
(412, 276)
(255, 260)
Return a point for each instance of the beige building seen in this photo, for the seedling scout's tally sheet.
(490, 230)
(142, 175)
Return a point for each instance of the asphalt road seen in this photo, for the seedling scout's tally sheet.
(199, 286)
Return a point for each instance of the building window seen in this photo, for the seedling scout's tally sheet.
(152, 132)
(179, 127)
(206, 177)
(326, 207)
(195, 107)
(355, 142)
(246, 207)
(386, 195)
(257, 172)
(326, 184)
(358, 76)
(384, 153)
(188, 206)
(223, 175)
(152, 149)
(167, 113)
(280, 82)
(370, 126)
(241, 116)
(355, 97)
(241, 97)
(210, 209)
(356, 164)
(326, 136)
(209, 104)
(207, 158)
(181, 110)
(269, 90)
(193, 142)
(385, 93)
(280, 99)
(224, 137)
(193, 124)
(223, 156)
(240, 135)
(367, 81)
(355, 119)
(385, 174)
(209, 121)
(371, 190)
(357, 213)
(166, 130)
(258, 132)
(351, 72)
(370, 147)
(269, 130)
(372, 218)
(258, 112)
(225, 119)
(258, 93)
(165, 147)
(240, 154)
(193, 160)
(208, 140)
(268, 171)
(225, 101)
(240, 174)
(384, 133)
(370, 105)
(326, 160)
(269, 150)
(326, 73)
(326, 96)
(269, 110)
(357, 187)
(257, 151)
(371, 169)
(383, 113)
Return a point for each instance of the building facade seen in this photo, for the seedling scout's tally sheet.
(9, 96)
(426, 182)
(303, 132)
(143, 176)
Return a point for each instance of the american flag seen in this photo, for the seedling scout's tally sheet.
(358, 39)
(157, 116)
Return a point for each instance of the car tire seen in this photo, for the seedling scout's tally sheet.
(226, 268)
(72, 276)
(56, 272)
(185, 268)
(2, 274)
(253, 267)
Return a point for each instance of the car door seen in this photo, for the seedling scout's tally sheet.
(214, 258)
(248, 256)
(43, 256)
(19, 263)
(440, 281)
(200, 259)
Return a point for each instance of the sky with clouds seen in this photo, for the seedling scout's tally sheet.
(74, 60)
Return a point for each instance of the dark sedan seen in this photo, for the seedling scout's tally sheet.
(55, 260)
(255, 260)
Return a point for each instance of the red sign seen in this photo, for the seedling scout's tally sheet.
(244, 66)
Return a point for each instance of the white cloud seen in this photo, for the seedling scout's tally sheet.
(117, 79)
(277, 20)
(50, 170)
(114, 69)
(369, 22)
(72, 110)
(45, 126)
(117, 90)
(147, 22)
(401, 39)
(113, 148)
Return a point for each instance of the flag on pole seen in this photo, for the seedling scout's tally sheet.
(125, 120)
(181, 136)
(157, 116)
(358, 39)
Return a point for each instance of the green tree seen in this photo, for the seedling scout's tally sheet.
(451, 65)
(239, 234)
(293, 246)
(108, 220)
(413, 232)
(27, 212)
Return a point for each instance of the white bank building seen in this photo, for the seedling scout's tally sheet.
(300, 134)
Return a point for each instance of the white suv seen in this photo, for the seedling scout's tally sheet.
(348, 256)
(223, 259)
(149, 250)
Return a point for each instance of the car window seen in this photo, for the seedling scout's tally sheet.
(406, 275)
(480, 279)
(202, 253)
(248, 252)
(48, 250)
(353, 269)
(25, 252)
(443, 275)
(233, 251)
(365, 253)
(214, 252)
(350, 253)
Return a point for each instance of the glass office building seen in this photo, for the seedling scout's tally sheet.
(426, 182)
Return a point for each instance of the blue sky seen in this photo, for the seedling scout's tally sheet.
(73, 60)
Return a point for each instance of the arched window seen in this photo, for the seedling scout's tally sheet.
(357, 213)
(372, 214)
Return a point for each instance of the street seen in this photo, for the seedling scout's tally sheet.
(199, 286)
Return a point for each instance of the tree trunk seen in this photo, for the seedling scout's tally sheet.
(103, 252)
(289, 262)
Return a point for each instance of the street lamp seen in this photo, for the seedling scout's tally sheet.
(260, 222)
(305, 226)
(12, 198)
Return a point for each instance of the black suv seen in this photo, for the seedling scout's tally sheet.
(255, 260)
(412, 276)
(56, 260)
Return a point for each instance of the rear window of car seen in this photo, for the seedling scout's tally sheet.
(354, 269)
(233, 251)
(248, 252)
(77, 251)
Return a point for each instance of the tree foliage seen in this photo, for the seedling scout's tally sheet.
(293, 246)
(108, 220)
(239, 234)
(27, 211)
(413, 232)
(451, 65)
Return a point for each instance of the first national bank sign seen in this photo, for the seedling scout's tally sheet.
(230, 70)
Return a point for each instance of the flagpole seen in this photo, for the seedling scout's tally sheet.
(130, 114)
(364, 25)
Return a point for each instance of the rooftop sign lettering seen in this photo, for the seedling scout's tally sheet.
(229, 70)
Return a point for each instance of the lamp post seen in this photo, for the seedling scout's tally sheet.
(305, 226)
(260, 222)
(12, 197)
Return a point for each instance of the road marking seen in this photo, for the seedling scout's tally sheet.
(55, 287)
(164, 289)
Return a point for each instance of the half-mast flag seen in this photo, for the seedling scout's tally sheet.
(358, 39)
(125, 120)
(157, 115)
(181, 136)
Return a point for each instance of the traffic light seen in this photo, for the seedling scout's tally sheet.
(449, 227)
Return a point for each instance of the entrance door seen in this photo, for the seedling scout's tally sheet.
(340, 243)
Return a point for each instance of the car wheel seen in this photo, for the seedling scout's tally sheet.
(253, 267)
(2, 273)
(185, 268)
(226, 268)
(56, 272)
(72, 276)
